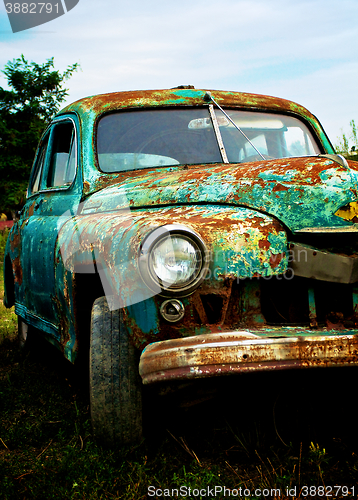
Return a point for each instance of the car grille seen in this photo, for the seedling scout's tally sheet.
(284, 301)
(306, 302)
(275, 302)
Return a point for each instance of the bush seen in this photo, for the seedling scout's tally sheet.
(3, 237)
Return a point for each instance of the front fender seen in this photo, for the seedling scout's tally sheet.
(241, 243)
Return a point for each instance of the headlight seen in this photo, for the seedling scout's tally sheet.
(173, 260)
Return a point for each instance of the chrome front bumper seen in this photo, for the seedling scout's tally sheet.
(234, 352)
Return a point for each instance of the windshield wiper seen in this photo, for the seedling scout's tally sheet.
(218, 134)
(209, 97)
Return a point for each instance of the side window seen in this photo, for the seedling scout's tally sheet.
(58, 149)
(38, 167)
(62, 168)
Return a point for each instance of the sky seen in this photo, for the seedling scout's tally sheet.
(304, 51)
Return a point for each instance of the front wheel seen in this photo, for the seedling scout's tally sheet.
(27, 336)
(22, 332)
(115, 384)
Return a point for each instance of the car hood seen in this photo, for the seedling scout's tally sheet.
(301, 192)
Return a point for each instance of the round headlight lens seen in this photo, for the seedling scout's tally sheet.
(175, 261)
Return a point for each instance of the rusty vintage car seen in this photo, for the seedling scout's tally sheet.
(182, 234)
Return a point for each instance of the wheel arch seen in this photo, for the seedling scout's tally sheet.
(87, 288)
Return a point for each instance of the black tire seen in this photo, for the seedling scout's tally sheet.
(26, 336)
(22, 332)
(30, 340)
(115, 384)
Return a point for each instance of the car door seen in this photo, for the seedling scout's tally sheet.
(53, 197)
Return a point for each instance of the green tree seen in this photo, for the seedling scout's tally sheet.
(36, 92)
(348, 145)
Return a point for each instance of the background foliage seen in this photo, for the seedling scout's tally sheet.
(36, 92)
(348, 144)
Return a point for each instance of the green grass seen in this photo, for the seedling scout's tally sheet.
(3, 237)
(278, 430)
(8, 319)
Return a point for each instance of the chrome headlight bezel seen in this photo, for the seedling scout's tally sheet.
(147, 272)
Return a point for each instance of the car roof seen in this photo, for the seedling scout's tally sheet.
(89, 109)
(182, 96)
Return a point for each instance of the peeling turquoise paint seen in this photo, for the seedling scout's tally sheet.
(308, 195)
(242, 212)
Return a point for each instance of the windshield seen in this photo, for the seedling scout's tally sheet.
(132, 140)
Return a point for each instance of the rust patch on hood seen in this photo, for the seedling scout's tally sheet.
(300, 192)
